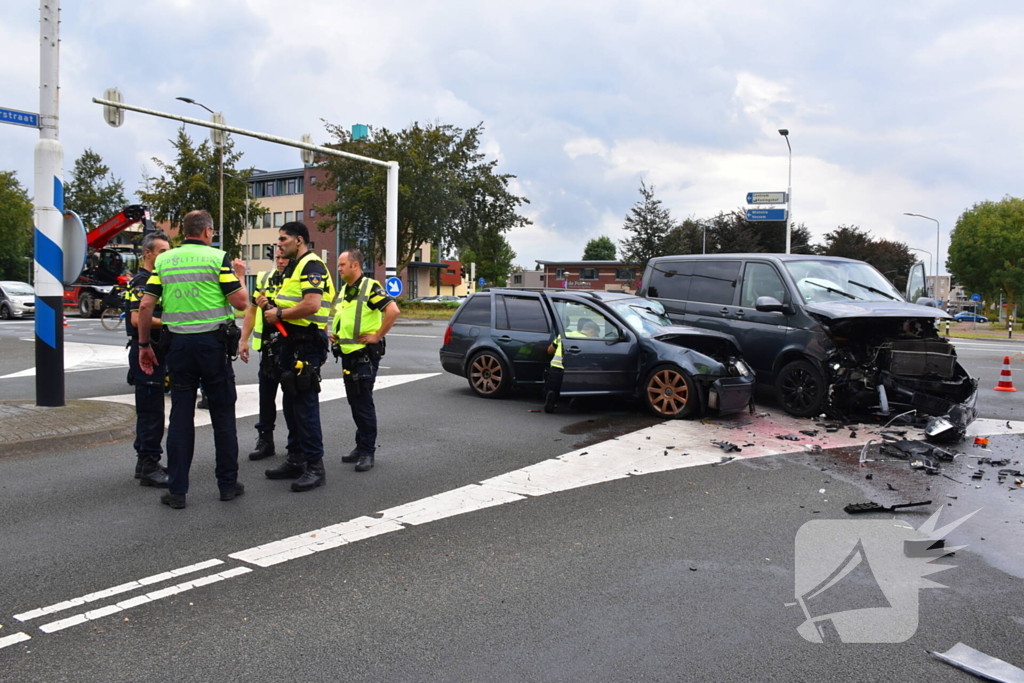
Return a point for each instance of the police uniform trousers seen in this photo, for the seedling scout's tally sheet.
(553, 381)
(302, 409)
(268, 385)
(364, 413)
(195, 358)
(149, 405)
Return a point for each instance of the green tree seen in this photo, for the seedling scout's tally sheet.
(93, 192)
(731, 233)
(986, 249)
(772, 237)
(599, 249)
(685, 238)
(492, 254)
(648, 223)
(191, 182)
(848, 241)
(892, 259)
(16, 225)
(449, 194)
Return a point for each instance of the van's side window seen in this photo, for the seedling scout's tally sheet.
(670, 280)
(477, 311)
(760, 279)
(714, 282)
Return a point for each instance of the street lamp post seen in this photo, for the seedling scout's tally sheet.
(784, 132)
(218, 139)
(935, 287)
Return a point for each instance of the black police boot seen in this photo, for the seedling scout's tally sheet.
(292, 468)
(151, 474)
(549, 402)
(351, 457)
(365, 463)
(204, 402)
(264, 446)
(313, 476)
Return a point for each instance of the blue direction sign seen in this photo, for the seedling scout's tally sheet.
(766, 214)
(766, 198)
(19, 118)
(975, 297)
(483, 281)
(393, 285)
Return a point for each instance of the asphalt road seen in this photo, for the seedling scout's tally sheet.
(683, 574)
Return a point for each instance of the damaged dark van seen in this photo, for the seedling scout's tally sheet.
(830, 335)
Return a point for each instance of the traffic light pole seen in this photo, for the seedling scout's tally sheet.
(391, 225)
(49, 217)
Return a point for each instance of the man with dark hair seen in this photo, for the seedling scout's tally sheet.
(149, 389)
(301, 306)
(364, 315)
(264, 340)
(196, 283)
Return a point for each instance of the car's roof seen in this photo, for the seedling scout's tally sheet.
(755, 255)
(14, 282)
(600, 295)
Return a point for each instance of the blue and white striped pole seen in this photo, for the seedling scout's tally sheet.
(49, 203)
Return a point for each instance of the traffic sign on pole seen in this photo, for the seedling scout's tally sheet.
(766, 214)
(19, 118)
(766, 198)
(975, 297)
(393, 286)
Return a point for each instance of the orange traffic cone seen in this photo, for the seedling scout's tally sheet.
(66, 320)
(1005, 379)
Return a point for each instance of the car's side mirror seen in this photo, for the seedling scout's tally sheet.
(927, 301)
(769, 304)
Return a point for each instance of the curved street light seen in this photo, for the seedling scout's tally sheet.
(784, 132)
(218, 139)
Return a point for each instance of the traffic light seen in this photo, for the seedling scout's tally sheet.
(462, 272)
(268, 251)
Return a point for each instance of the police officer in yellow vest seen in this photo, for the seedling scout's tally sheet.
(362, 316)
(263, 341)
(302, 305)
(195, 284)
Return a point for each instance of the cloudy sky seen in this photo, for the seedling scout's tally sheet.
(892, 107)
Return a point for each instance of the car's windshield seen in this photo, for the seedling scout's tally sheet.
(820, 281)
(643, 316)
(18, 289)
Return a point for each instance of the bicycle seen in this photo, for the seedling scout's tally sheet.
(112, 316)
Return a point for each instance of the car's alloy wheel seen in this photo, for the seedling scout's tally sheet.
(670, 392)
(800, 389)
(488, 376)
(5, 312)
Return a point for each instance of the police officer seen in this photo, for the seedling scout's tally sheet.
(149, 389)
(364, 314)
(263, 341)
(301, 305)
(195, 283)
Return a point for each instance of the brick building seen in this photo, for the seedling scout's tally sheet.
(593, 275)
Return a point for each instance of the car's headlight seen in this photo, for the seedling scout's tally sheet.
(741, 368)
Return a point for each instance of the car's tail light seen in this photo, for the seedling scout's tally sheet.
(448, 336)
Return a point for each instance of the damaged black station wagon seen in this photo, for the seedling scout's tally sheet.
(829, 334)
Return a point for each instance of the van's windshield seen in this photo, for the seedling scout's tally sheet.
(821, 281)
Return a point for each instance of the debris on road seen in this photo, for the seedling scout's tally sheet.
(788, 437)
(855, 508)
(725, 459)
(727, 447)
(980, 664)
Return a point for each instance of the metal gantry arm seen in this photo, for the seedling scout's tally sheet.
(391, 227)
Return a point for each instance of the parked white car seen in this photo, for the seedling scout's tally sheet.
(17, 299)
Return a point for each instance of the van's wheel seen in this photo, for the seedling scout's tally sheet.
(670, 392)
(801, 389)
(85, 306)
(488, 376)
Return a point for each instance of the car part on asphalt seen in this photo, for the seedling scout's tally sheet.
(857, 508)
(980, 664)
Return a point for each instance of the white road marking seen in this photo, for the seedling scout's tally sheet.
(76, 619)
(663, 447)
(13, 639)
(248, 402)
(79, 357)
(424, 336)
(123, 588)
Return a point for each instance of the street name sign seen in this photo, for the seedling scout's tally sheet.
(766, 214)
(766, 198)
(19, 118)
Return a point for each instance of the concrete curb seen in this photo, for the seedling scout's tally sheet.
(75, 425)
